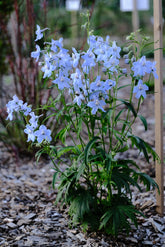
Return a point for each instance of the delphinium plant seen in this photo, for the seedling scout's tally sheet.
(96, 183)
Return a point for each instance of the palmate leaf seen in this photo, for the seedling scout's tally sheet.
(118, 215)
(122, 178)
(147, 181)
(144, 147)
(80, 204)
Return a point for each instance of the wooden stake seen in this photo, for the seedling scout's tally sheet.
(158, 54)
(135, 17)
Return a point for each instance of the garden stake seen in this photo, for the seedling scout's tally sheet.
(158, 55)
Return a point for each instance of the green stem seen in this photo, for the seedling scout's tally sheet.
(113, 114)
(126, 132)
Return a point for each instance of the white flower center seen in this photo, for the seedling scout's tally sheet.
(77, 93)
(97, 102)
(102, 51)
(62, 79)
(90, 54)
(98, 84)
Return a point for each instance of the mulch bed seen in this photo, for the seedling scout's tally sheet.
(29, 217)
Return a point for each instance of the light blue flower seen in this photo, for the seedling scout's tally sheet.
(64, 60)
(111, 64)
(56, 45)
(25, 109)
(36, 54)
(76, 77)
(97, 85)
(75, 57)
(152, 69)
(141, 67)
(92, 41)
(29, 130)
(43, 134)
(78, 98)
(140, 89)
(48, 67)
(33, 120)
(13, 105)
(39, 33)
(108, 84)
(101, 52)
(96, 104)
(115, 50)
(62, 81)
(89, 59)
(86, 86)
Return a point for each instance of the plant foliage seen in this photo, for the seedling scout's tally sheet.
(96, 183)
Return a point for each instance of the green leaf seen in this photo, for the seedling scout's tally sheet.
(109, 113)
(148, 181)
(123, 149)
(143, 121)
(152, 152)
(88, 148)
(62, 133)
(54, 179)
(119, 215)
(128, 85)
(39, 153)
(140, 144)
(144, 147)
(67, 149)
(108, 161)
(118, 115)
(80, 204)
(105, 218)
(129, 106)
(79, 126)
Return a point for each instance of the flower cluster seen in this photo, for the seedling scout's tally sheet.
(74, 72)
(140, 69)
(32, 129)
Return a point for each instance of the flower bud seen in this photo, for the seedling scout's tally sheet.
(126, 60)
(126, 49)
(124, 71)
